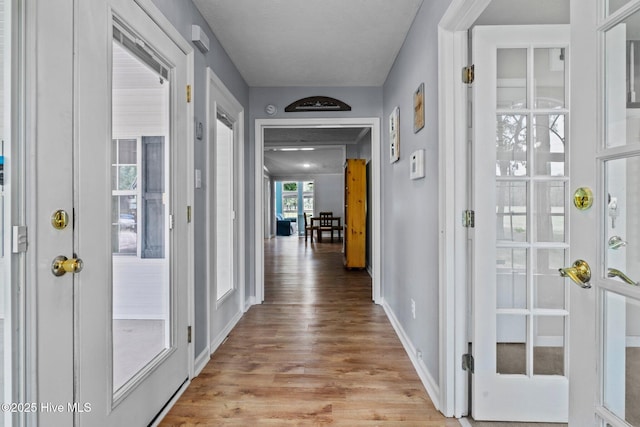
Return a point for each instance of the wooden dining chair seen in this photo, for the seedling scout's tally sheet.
(326, 224)
(308, 227)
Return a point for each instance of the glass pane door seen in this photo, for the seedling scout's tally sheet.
(531, 184)
(520, 237)
(620, 212)
(139, 209)
(224, 237)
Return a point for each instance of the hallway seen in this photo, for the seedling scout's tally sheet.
(317, 352)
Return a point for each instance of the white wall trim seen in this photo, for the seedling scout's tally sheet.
(219, 339)
(453, 196)
(161, 21)
(371, 122)
(427, 380)
(249, 302)
(201, 360)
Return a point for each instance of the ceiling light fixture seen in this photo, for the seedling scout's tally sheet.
(306, 165)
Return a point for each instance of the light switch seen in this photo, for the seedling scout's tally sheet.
(416, 165)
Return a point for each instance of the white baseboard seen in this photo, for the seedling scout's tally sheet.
(464, 422)
(433, 390)
(249, 302)
(201, 361)
(225, 331)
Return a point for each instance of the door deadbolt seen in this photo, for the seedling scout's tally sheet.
(61, 265)
(60, 219)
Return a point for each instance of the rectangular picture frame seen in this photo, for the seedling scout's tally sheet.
(394, 135)
(418, 109)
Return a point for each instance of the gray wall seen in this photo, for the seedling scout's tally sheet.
(182, 15)
(410, 208)
(329, 194)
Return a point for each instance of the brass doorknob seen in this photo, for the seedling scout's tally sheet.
(61, 265)
(580, 273)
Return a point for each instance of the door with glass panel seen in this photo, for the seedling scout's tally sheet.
(612, 159)
(129, 266)
(521, 235)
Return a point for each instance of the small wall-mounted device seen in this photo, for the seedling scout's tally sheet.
(416, 164)
(199, 38)
(271, 110)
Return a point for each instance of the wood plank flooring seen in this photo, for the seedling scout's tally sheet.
(317, 352)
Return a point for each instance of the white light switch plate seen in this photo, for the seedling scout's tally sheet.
(416, 165)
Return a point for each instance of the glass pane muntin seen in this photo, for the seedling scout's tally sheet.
(532, 183)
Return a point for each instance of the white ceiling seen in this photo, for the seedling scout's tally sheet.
(311, 42)
(525, 12)
(327, 156)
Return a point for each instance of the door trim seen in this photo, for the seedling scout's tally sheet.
(218, 94)
(453, 189)
(260, 125)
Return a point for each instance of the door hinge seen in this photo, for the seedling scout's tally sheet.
(188, 213)
(172, 221)
(468, 219)
(467, 362)
(188, 93)
(189, 334)
(468, 74)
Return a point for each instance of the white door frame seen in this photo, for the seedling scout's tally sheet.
(453, 189)
(260, 125)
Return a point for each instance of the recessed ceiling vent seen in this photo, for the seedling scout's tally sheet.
(317, 103)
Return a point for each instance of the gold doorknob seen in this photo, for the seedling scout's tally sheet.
(580, 273)
(61, 265)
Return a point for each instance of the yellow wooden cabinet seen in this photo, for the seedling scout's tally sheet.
(355, 213)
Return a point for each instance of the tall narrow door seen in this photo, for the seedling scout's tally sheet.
(605, 319)
(521, 235)
(123, 290)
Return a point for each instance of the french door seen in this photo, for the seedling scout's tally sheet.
(521, 236)
(605, 320)
(111, 246)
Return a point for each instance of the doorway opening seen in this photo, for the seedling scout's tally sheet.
(272, 143)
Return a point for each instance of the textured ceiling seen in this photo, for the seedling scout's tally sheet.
(311, 42)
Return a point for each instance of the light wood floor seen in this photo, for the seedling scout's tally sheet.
(317, 352)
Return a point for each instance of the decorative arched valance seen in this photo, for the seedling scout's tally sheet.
(317, 103)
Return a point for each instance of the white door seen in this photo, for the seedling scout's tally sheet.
(112, 338)
(605, 320)
(521, 235)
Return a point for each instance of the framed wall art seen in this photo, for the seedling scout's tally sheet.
(394, 135)
(418, 109)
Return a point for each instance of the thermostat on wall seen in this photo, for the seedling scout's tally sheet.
(417, 165)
